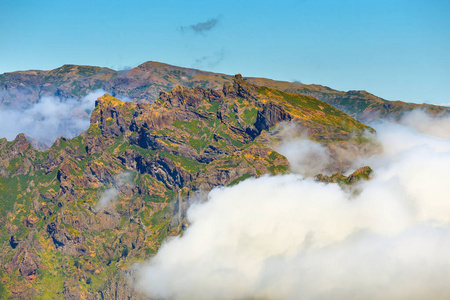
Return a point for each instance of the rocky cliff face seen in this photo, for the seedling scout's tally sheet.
(76, 217)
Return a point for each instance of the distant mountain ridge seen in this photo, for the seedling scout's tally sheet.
(144, 83)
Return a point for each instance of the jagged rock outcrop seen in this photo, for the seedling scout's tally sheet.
(270, 115)
(362, 173)
(27, 266)
(16, 156)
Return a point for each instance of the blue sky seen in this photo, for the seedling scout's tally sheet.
(396, 49)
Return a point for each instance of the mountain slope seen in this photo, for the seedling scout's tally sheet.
(75, 218)
(144, 83)
(358, 104)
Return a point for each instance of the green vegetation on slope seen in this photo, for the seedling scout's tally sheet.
(74, 217)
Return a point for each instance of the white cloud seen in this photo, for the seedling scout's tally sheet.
(305, 156)
(49, 118)
(110, 195)
(287, 237)
(438, 126)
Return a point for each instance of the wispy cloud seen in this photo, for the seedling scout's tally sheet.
(437, 125)
(209, 61)
(49, 118)
(201, 27)
(120, 181)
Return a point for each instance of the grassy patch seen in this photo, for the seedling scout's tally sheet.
(242, 178)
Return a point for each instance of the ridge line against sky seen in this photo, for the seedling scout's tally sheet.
(397, 50)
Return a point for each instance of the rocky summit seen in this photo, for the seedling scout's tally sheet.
(77, 217)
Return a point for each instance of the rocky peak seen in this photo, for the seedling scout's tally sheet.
(185, 97)
(244, 88)
(150, 65)
(238, 78)
(363, 173)
(16, 147)
(107, 99)
(15, 156)
(20, 143)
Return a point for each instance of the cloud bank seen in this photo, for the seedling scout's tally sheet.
(289, 237)
(425, 123)
(49, 118)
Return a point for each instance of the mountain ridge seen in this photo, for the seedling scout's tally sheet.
(144, 83)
